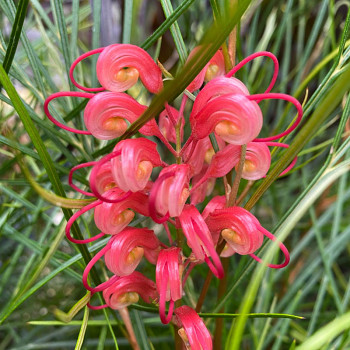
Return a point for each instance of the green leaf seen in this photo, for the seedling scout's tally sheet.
(81, 336)
(327, 333)
(175, 31)
(15, 34)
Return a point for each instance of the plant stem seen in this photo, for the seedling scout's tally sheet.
(219, 322)
(207, 281)
(235, 186)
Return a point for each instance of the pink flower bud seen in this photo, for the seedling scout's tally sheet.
(242, 232)
(199, 239)
(194, 333)
(166, 124)
(202, 153)
(215, 88)
(104, 178)
(112, 218)
(168, 279)
(128, 247)
(127, 290)
(169, 192)
(235, 118)
(107, 113)
(257, 161)
(120, 65)
(218, 202)
(203, 190)
(221, 164)
(133, 167)
(214, 68)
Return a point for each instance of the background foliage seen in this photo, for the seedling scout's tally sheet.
(41, 272)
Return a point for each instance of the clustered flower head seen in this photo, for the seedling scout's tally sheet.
(133, 179)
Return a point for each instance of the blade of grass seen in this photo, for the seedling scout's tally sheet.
(175, 31)
(167, 24)
(83, 328)
(15, 34)
(60, 20)
(127, 21)
(326, 334)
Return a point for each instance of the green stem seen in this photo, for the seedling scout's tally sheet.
(235, 186)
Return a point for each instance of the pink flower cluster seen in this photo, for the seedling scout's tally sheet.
(125, 182)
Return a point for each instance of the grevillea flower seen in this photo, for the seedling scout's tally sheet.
(112, 218)
(199, 239)
(133, 167)
(120, 65)
(127, 248)
(127, 290)
(242, 232)
(169, 271)
(215, 88)
(169, 192)
(193, 331)
(235, 118)
(107, 113)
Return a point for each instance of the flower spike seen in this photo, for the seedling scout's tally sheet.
(168, 279)
(120, 65)
(199, 239)
(194, 333)
(65, 94)
(78, 60)
(127, 290)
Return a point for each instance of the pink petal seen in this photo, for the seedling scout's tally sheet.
(134, 283)
(239, 120)
(197, 333)
(215, 88)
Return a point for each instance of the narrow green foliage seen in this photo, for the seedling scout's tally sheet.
(15, 34)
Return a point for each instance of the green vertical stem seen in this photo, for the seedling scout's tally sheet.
(235, 186)
(127, 23)
(219, 322)
(15, 34)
